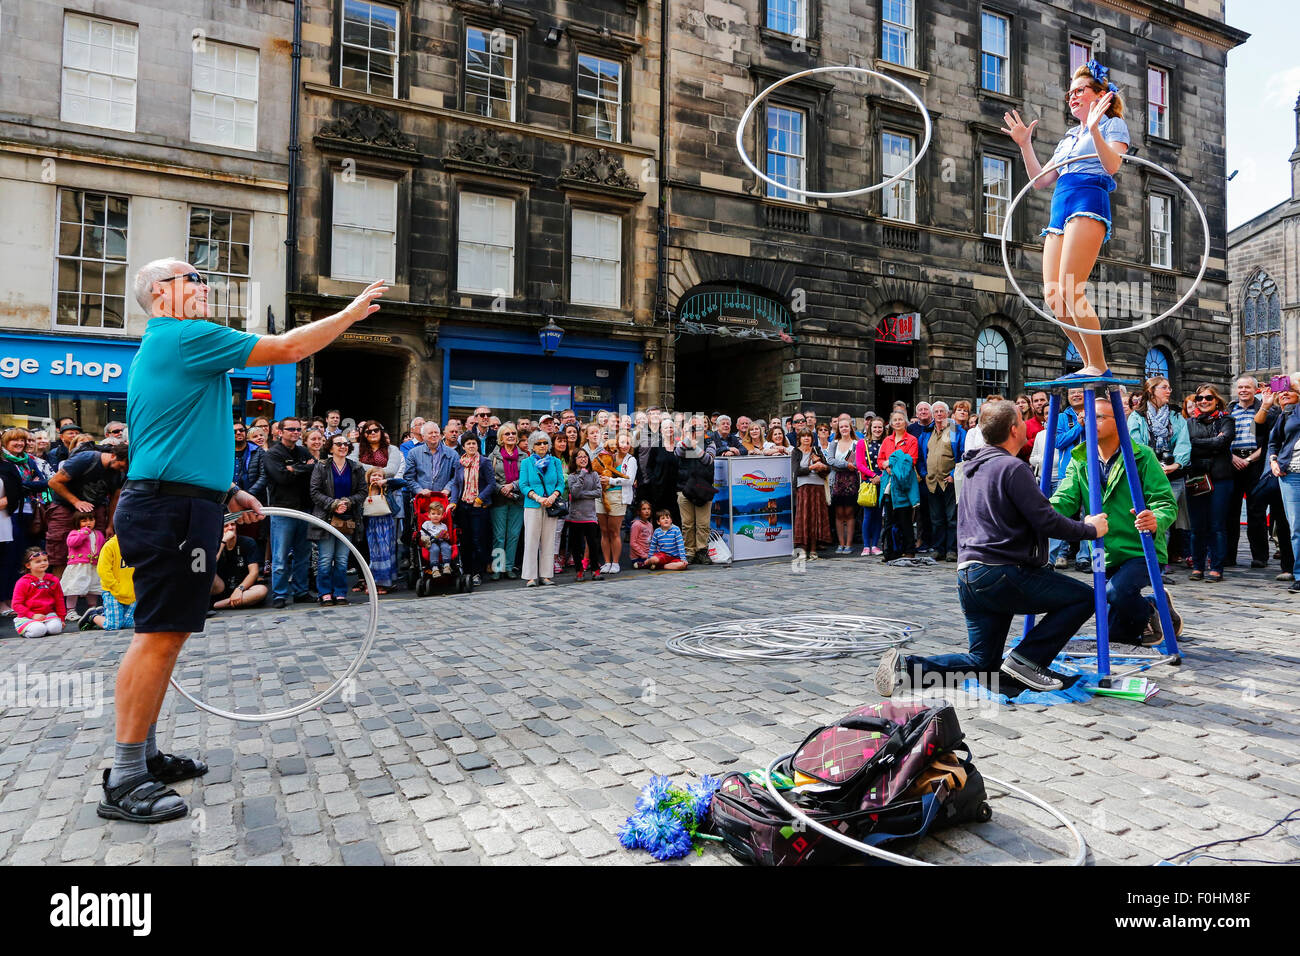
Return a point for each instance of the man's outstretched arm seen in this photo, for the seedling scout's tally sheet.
(296, 344)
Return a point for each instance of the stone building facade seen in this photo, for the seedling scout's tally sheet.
(1264, 268)
(134, 130)
(850, 303)
(495, 162)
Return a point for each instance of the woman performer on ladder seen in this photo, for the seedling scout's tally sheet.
(1081, 219)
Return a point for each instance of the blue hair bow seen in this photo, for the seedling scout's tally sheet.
(1101, 74)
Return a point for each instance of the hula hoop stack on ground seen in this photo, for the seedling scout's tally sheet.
(808, 637)
(371, 630)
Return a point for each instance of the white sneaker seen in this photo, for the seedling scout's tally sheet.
(889, 672)
(865, 552)
(73, 616)
(446, 569)
(604, 568)
(614, 568)
(436, 572)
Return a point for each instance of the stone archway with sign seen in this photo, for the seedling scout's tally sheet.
(734, 350)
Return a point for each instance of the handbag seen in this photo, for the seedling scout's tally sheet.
(376, 506)
(1200, 485)
(340, 523)
(868, 494)
(558, 510)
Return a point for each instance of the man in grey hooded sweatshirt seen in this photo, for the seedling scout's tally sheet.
(1002, 529)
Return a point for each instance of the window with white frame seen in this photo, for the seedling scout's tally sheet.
(1156, 363)
(897, 151)
(90, 261)
(788, 16)
(1157, 102)
(1161, 210)
(223, 96)
(787, 152)
(220, 248)
(369, 48)
(995, 52)
(485, 251)
(99, 64)
(898, 32)
(363, 241)
(596, 259)
(1080, 53)
(992, 363)
(490, 73)
(997, 193)
(600, 97)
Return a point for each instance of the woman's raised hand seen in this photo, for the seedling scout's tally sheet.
(1098, 111)
(1017, 129)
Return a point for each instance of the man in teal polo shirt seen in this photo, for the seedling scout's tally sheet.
(170, 513)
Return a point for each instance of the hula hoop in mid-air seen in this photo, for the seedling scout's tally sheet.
(357, 661)
(808, 193)
(1052, 167)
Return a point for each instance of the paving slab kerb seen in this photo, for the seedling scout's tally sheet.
(515, 726)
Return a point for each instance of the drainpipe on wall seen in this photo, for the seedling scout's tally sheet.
(291, 226)
(661, 291)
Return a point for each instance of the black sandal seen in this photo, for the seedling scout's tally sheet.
(169, 768)
(141, 799)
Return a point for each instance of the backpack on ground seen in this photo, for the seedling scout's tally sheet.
(883, 773)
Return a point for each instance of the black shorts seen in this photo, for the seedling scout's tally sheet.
(171, 542)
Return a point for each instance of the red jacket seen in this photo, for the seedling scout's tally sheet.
(1032, 427)
(889, 446)
(33, 597)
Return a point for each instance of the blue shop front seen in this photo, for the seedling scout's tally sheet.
(48, 376)
(508, 371)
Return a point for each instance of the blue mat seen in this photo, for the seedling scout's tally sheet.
(1067, 664)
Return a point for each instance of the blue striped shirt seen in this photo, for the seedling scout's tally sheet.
(1244, 419)
(669, 542)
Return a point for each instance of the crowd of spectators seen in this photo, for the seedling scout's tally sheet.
(534, 498)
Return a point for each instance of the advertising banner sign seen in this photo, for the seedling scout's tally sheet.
(762, 507)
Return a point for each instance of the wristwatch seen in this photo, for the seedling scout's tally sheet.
(231, 492)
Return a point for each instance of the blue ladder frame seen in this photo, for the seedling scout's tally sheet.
(1089, 385)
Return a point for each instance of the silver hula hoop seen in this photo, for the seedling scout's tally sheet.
(357, 661)
(1052, 167)
(1080, 846)
(749, 111)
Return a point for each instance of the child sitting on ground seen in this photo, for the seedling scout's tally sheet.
(39, 608)
(117, 581)
(435, 536)
(639, 537)
(80, 579)
(667, 548)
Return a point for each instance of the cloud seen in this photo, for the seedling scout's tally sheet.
(1281, 88)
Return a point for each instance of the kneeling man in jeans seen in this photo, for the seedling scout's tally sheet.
(1003, 524)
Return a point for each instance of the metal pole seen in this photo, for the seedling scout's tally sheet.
(1148, 540)
(1099, 546)
(1048, 469)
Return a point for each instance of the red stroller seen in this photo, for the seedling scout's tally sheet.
(420, 574)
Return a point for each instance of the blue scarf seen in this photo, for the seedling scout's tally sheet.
(1162, 430)
(542, 462)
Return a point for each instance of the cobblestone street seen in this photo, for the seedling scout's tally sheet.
(517, 726)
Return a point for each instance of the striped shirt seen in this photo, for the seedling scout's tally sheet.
(669, 542)
(1244, 419)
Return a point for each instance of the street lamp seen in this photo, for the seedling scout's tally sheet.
(550, 335)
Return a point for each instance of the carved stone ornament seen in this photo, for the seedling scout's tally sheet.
(599, 168)
(368, 129)
(485, 148)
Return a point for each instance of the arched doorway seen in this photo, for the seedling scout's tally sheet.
(734, 345)
(361, 384)
(896, 366)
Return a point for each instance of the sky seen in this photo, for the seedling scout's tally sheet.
(1263, 83)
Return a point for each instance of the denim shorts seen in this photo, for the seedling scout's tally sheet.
(1080, 194)
(172, 543)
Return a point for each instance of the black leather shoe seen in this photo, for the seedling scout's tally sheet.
(140, 799)
(278, 604)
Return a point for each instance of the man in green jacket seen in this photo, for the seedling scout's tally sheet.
(1132, 617)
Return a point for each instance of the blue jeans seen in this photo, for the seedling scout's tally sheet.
(1289, 484)
(871, 527)
(289, 536)
(991, 595)
(1127, 610)
(332, 566)
(1209, 514)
